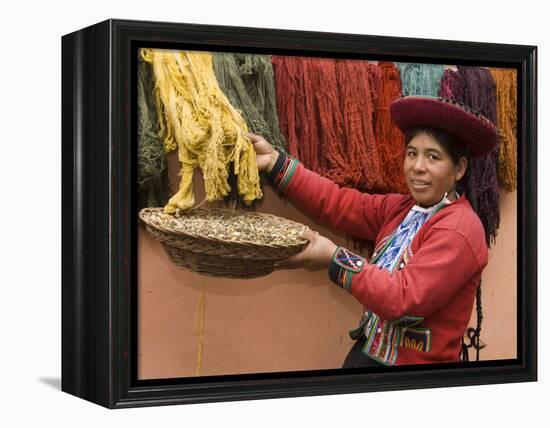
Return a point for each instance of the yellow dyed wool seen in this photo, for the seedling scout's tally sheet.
(198, 120)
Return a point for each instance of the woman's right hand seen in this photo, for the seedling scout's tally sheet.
(266, 155)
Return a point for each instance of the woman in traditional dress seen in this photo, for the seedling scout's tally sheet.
(419, 286)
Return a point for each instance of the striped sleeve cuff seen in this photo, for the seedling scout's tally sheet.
(343, 266)
(282, 172)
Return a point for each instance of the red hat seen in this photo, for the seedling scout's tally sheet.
(477, 132)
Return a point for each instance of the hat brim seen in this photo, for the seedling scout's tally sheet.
(477, 132)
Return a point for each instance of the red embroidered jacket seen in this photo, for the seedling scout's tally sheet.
(418, 313)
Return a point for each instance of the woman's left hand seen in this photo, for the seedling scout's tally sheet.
(316, 256)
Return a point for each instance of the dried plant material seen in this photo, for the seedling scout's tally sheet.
(222, 242)
(234, 226)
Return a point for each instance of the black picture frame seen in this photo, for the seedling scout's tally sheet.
(98, 205)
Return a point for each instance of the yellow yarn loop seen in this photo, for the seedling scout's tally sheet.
(199, 120)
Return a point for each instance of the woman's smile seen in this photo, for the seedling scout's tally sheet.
(419, 184)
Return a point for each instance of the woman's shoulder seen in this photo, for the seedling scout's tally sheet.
(459, 215)
(461, 218)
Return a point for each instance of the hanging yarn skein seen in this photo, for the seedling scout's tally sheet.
(321, 90)
(506, 86)
(325, 112)
(296, 83)
(420, 79)
(475, 87)
(152, 163)
(199, 120)
(357, 95)
(389, 139)
(288, 73)
(248, 82)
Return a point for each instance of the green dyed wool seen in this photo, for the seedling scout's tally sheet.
(248, 82)
(153, 188)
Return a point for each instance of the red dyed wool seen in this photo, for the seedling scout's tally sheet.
(390, 141)
(325, 112)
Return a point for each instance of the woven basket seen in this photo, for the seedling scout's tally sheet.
(232, 258)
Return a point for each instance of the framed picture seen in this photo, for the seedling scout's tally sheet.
(155, 125)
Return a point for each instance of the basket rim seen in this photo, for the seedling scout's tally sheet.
(240, 243)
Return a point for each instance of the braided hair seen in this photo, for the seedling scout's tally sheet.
(473, 333)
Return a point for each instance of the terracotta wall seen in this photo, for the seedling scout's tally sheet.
(499, 287)
(290, 320)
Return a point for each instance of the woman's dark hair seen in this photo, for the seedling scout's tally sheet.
(452, 145)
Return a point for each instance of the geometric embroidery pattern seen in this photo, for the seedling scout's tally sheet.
(344, 265)
(348, 260)
(402, 238)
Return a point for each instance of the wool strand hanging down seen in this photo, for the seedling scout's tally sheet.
(297, 95)
(325, 112)
(248, 82)
(288, 86)
(389, 139)
(152, 163)
(357, 95)
(208, 131)
(506, 86)
(420, 79)
(322, 90)
(475, 87)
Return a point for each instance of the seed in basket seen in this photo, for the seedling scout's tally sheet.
(236, 226)
(218, 242)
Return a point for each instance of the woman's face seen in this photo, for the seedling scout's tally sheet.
(429, 170)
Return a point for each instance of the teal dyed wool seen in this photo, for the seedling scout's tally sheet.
(248, 82)
(420, 79)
